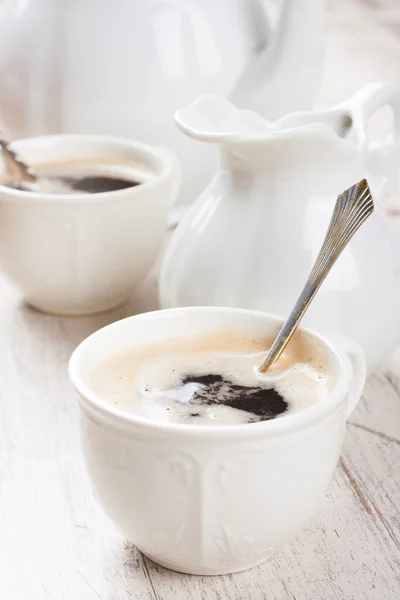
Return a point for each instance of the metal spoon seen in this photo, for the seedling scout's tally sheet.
(22, 175)
(352, 208)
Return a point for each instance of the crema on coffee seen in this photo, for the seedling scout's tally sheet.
(214, 379)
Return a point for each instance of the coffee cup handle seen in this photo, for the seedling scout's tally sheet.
(351, 351)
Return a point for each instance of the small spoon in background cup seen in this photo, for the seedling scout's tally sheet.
(352, 208)
(19, 174)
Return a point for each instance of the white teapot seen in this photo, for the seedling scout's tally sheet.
(251, 238)
(123, 68)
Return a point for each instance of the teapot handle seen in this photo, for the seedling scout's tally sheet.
(284, 75)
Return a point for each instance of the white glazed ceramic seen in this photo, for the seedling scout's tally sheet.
(252, 237)
(84, 253)
(350, 119)
(123, 67)
(210, 500)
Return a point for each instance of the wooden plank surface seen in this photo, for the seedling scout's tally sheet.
(54, 540)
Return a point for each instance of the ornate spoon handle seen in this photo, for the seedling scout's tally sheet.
(352, 208)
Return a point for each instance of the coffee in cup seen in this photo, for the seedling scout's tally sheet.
(214, 379)
(82, 176)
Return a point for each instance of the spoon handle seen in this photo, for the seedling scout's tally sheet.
(352, 208)
(15, 163)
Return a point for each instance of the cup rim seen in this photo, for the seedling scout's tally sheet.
(167, 159)
(100, 409)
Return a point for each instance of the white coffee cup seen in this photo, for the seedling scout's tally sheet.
(84, 253)
(210, 500)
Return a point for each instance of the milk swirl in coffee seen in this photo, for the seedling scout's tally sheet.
(214, 379)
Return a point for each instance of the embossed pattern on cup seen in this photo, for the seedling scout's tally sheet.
(209, 500)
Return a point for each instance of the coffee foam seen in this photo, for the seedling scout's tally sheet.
(82, 167)
(148, 381)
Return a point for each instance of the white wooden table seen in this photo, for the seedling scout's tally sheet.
(54, 540)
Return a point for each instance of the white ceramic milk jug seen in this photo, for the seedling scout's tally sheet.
(123, 68)
(252, 236)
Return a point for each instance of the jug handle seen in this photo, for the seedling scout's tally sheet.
(358, 110)
(365, 103)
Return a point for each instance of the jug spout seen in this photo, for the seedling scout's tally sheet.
(211, 118)
(285, 76)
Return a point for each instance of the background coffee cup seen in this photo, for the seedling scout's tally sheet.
(81, 253)
(210, 500)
